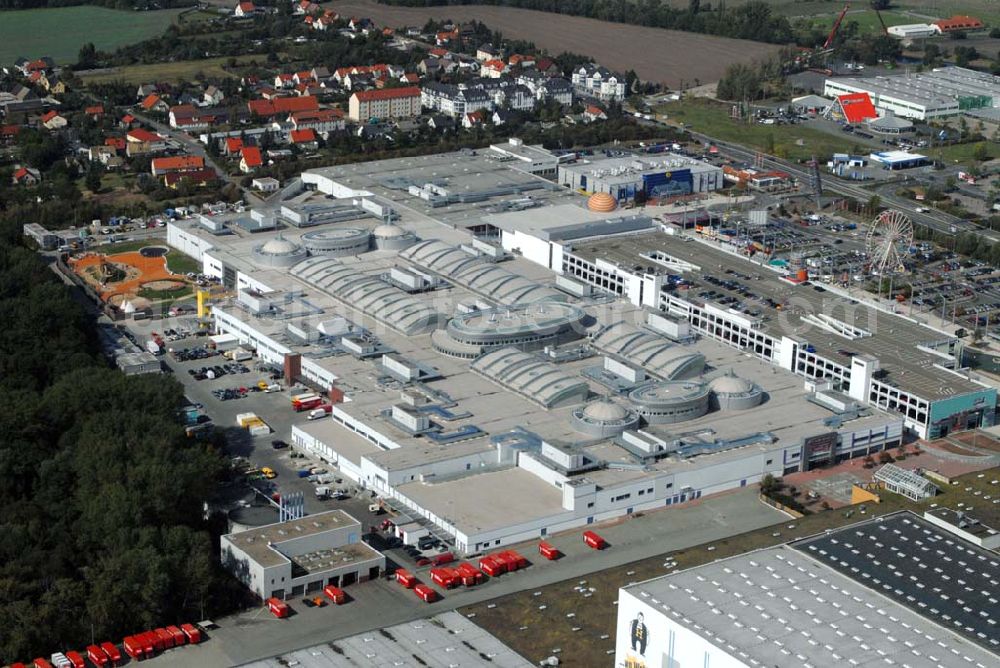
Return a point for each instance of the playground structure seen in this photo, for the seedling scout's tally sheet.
(122, 277)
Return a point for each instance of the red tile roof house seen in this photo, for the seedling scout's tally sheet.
(282, 106)
(472, 119)
(594, 113)
(322, 121)
(245, 9)
(197, 177)
(53, 121)
(154, 103)
(26, 176)
(177, 163)
(95, 111)
(251, 159)
(234, 145)
(305, 138)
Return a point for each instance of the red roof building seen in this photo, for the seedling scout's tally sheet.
(233, 145)
(196, 177)
(251, 159)
(117, 143)
(176, 163)
(282, 105)
(96, 110)
(304, 136)
(957, 23)
(856, 107)
(143, 135)
(151, 102)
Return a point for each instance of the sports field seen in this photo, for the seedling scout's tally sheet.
(60, 32)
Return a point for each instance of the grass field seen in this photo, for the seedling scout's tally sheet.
(60, 32)
(181, 69)
(794, 142)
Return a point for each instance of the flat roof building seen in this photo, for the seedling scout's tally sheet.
(658, 176)
(943, 91)
(830, 601)
(301, 556)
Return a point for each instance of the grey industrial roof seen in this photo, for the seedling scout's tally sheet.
(487, 279)
(914, 370)
(778, 607)
(374, 297)
(446, 640)
(937, 87)
(653, 353)
(258, 542)
(923, 567)
(536, 379)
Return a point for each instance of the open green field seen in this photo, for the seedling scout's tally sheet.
(794, 142)
(867, 20)
(60, 32)
(175, 71)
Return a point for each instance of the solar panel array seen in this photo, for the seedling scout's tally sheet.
(934, 573)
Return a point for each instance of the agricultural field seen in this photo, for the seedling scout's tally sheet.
(794, 142)
(666, 56)
(60, 32)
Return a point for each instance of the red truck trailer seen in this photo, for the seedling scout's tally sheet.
(425, 593)
(97, 656)
(166, 638)
(41, 663)
(278, 608)
(446, 578)
(134, 647)
(547, 551)
(513, 559)
(75, 658)
(335, 594)
(179, 637)
(593, 540)
(406, 578)
(114, 656)
(492, 566)
(192, 633)
(469, 574)
(442, 559)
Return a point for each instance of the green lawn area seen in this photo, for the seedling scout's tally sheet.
(179, 263)
(60, 32)
(181, 69)
(867, 20)
(794, 142)
(962, 153)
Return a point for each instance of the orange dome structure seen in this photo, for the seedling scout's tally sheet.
(602, 203)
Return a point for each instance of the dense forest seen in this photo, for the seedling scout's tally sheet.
(102, 494)
(751, 20)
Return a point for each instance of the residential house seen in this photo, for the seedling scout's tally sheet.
(265, 184)
(233, 146)
(245, 9)
(516, 97)
(176, 163)
(360, 25)
(116, 143)
(592, 79)
(501, 117)
(455, 100)
(488, 52)
(320, 74)
(594, 113)
(446, 37)
(188, 117)
(94, 111)
(101, 154)
(213, 96)
(282, 106)
(284, 80)
(547, 66)
(305, 7)
(385, 103)
(441, 122)
(51, 83)
(322, 23)
(143, 142)
(127, 121)
(304, 138)
(250, 159)
(27, 176)
(321, 121)
(521, 61)
(42, 64)
(411, 78)
(153, 102)
(8, 134)
(494, 69)
(359, 81)
(145, 90)
(198, 178)
(556, 88)
(472, 119)
(53, 121)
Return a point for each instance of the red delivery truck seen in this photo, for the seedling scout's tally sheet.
(114, 656)
(547, 551)
(406, 578)
(513, 560)
(192, 633)
(492, 566)
(593, 540)
(97, 656)
(441, 559)
(469, 574)
(75, 658)
(179, 637)
(335, 594)
(18, 665)
(41, 663)
(425, 593)
(278, 608)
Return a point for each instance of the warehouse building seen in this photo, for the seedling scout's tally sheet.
(893, 591)
(944, 91)
(657, 176)
(289, 559)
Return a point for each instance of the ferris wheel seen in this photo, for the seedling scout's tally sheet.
(889, 237)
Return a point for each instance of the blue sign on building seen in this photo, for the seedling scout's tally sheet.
(668, 184)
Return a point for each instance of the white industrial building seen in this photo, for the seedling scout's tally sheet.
(301, 556)
(833, 601)
(513, 372)
(661, 175)
(943, 91)
(911, 31)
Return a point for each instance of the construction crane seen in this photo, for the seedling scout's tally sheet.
(875, 7)
(836, 27)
